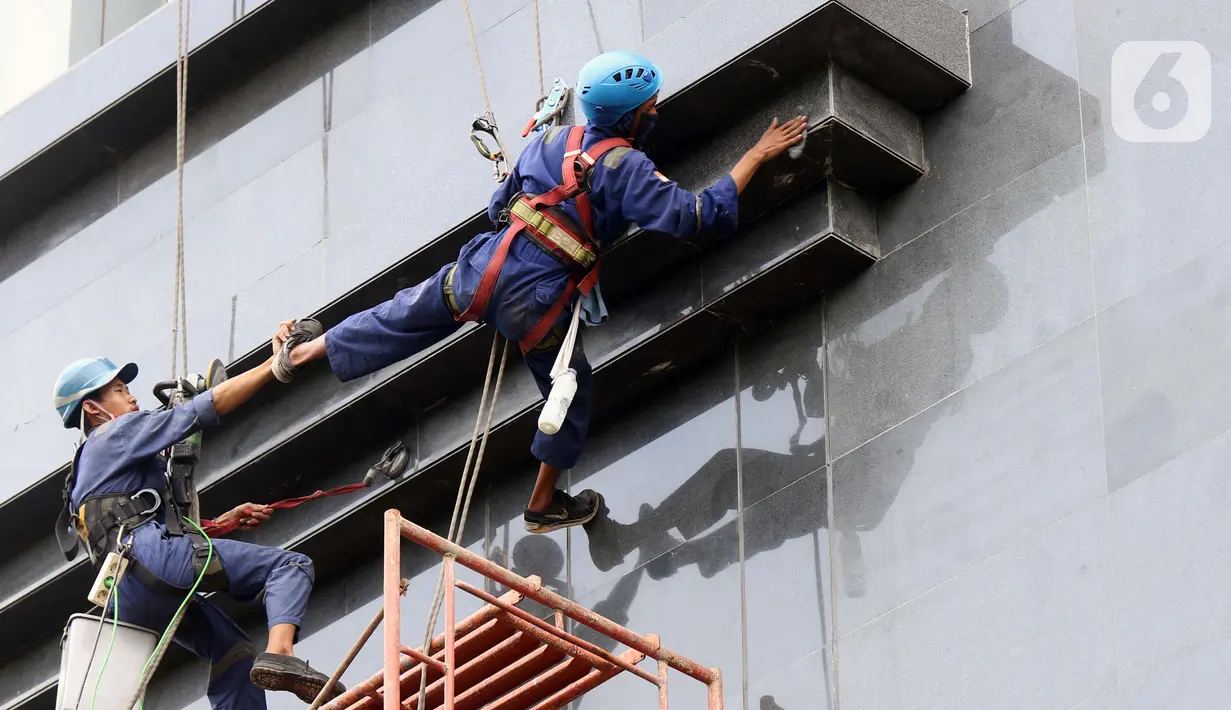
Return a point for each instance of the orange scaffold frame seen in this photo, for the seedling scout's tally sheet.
(501, 657)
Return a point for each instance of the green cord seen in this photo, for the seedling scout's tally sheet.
(191, 593)
(163, 639)
(115, 608)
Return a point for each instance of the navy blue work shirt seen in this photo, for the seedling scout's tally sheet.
(122, 456)
(624, 188)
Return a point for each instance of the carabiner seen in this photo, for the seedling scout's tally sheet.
(486, 123)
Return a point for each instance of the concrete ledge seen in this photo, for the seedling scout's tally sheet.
(921, 78)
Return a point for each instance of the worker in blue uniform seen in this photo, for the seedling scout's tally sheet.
(531, 264)
(118, 474)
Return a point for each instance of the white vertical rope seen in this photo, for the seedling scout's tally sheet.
(179, 306)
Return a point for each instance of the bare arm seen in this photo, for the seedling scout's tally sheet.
(239, 389)
(775, 141)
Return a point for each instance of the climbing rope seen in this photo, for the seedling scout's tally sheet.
(478, 63)
(538, 47)
(179, 327)
(179, 307)
(461, 508)
(478, 445)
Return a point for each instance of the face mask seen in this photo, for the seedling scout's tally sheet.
(636, 126)
(110, 416)
(644, 127)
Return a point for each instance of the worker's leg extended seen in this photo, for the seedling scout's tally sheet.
(211, 634)
(370, 340)
(205, 631)
(284, 581)
(550, 508)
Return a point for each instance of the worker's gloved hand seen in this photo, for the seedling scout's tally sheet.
(248, 515)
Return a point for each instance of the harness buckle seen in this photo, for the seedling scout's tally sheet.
(154, 495)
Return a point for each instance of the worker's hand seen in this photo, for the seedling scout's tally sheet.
(284, 332)
(779, 137)
(248, 515)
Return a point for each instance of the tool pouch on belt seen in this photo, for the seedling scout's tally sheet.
(215, 579)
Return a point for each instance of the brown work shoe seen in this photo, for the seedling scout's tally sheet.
(274, 671)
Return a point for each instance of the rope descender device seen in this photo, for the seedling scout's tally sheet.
(485, 123)
(548, 108)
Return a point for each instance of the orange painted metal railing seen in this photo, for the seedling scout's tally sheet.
(501, 657)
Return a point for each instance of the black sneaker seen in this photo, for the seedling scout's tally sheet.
(274, 671)
(304, 330)
(564, 511)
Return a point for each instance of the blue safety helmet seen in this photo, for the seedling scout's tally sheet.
(83, 378)
(614, 83)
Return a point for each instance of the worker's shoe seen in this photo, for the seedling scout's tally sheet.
(274, 671)
(564, 511)
(304, 330)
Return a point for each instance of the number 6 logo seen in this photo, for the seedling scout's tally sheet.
(1161, 92)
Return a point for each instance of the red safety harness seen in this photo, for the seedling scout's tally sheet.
(576, 172)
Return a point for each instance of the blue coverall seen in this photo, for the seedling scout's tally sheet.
(121, 456)
(625, 188)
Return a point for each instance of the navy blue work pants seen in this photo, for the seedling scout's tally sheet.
(420, 316)
(281, 579)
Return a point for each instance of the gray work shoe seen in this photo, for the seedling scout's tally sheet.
(274, 671)
(304, 330)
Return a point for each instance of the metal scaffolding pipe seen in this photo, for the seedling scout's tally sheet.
(354, 651)
(589, 682)
(359, 695)
(526, 616)
(715, 690)
(588, 667)
(571, 609)
(423, 658)
(393, 616)
(566, 647)
(450, 634)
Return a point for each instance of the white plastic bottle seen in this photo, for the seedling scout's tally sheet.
(563, 387)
